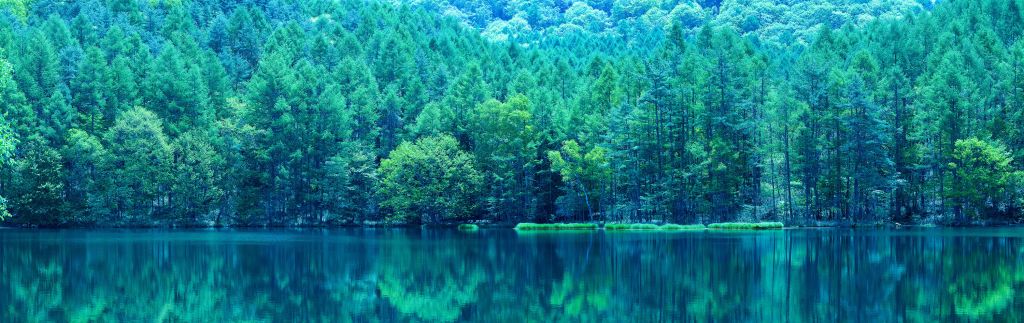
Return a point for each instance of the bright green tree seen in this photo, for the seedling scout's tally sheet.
(983, 179)
(505, 143)
(22, 119)
(582, 171)
(6, 152)
(428, 181)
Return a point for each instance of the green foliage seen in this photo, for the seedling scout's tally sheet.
(18, 8)
(428, 181)
(349, 174)
(85, 158)
(745, 226)
(506, 149)
(7, 142)
(21, 118)
(523, 21)
(197, 177)
(649, 226)
(682, 227)
(310, 112)
(139, 167)
(630, 226)
(582, 170)
(468, 227)
(555, 226)
(39, 189)
(982, 176)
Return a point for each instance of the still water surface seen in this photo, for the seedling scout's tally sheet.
(498, 275)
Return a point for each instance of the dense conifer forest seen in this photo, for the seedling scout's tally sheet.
(324, 112)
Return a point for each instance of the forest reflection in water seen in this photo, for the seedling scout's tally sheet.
(497, 275)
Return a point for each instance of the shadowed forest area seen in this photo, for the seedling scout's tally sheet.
(322, 112)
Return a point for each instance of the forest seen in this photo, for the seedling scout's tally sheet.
(359, 112)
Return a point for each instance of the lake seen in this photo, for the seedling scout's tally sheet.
(498, 275)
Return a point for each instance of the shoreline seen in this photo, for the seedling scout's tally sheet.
(455, 225)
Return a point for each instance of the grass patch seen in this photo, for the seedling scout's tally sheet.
(630, 226)
(652, 227)
(745, 226)
(682, 227)
(468, 227)
(555, 226)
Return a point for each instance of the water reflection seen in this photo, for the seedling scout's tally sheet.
(368, 275)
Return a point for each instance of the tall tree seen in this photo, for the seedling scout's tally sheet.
(505, 144)
(6, 151)
(585, 172)
(139, 166)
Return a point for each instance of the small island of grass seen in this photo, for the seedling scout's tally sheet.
(745, 226)
(652, 227)
(468, 227)
(555, 226)
(682, 227)
(630, 226)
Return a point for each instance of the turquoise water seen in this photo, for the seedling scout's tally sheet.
(498, 275)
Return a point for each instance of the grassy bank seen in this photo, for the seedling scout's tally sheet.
(652, 227)
(555, 226)
(630, 226)
(745, 226)
(682, 227)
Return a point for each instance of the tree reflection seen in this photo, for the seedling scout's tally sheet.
(499, 276)
(430, 282)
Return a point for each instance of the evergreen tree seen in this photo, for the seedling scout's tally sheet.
(90, 88)
(282, 113)
(39, 73)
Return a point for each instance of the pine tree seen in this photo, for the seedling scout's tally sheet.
(90, 90)
(38, 71)
(176, 90)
